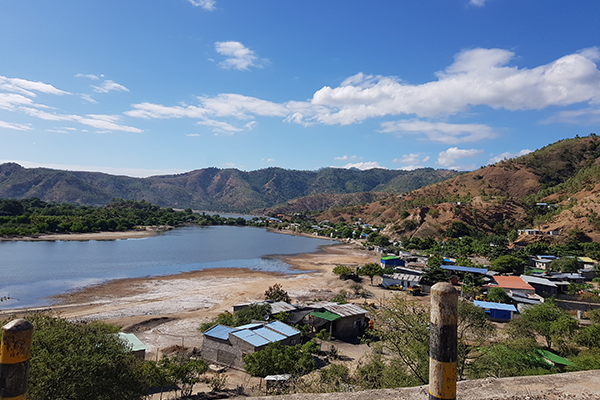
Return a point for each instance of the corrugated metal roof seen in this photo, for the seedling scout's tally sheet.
(326, 315)
(132, 341)
(538, 281)
(585, 260)
(280, 306)
(219, 331)
(268, 334)
(495, 306)
(556, 359)
(248, 336)
(404, 277)
(390, 258)
(282, 328)
(346, 310)
(465, 269)
(248, 326)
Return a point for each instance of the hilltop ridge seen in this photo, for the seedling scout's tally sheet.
(223, 190)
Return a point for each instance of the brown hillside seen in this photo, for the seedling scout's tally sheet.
(501, 197)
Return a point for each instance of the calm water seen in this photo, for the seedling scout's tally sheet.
(31, 271)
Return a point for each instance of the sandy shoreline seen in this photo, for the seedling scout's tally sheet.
(48, 237)
(183, 301)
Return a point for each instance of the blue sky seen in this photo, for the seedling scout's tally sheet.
(148, 87)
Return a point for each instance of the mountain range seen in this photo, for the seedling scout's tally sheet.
(213, 189)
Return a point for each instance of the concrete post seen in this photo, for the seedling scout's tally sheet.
(443, 342)
(15, 352)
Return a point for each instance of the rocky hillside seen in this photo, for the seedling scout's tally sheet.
(498, 198)
(212, 189)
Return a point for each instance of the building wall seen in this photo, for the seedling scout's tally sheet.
(220, 353)
(347, 327)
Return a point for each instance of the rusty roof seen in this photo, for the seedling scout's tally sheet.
(512, 282)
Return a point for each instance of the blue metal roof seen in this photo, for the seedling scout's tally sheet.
(248, 336)
(283, 328)
(220, 332)
(495, 306)
(465, 269)
(268, 334)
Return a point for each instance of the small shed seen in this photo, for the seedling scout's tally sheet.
(498, 312)
(134, 344)
(391, 262)
(341, 320)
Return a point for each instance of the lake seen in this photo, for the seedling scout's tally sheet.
(32, 271)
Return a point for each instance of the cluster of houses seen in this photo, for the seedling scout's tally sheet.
(523, 290)
(227, 346)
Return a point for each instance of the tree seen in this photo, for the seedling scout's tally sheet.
(277, 293)
(473, 330)
(549, 321)
(278, 359)
(81, 361)
(343, 271)
(371, 270)
(433, 275)
(564, 264)
(402, 329)
(508, 264)
(182, 372)
(498, 295)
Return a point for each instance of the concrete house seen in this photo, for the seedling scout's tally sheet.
(514, 283)
(391, 262)
(227, 346)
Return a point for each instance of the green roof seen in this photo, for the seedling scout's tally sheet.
(132, 341)
(326, 315)
(554, 358)
(390, 258)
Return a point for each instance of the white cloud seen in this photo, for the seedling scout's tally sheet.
(507, 155)
(478, 77)
(220, 126)
(232, 165)
(27, 88)
(441, 132)
(410, 167)
(17, 127)
(109, 86)
(135, 172)
(478, 3)
(89, 76)
(449, 157)
(586, 116)
(88, 98)
(208, 5)
(106, 122)
(237, 56)
(426, 159)
(57, 131)
(345, 157)
(193, 134)
(363, 165)
(407, 158)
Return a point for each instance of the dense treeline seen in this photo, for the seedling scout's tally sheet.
(33, 216)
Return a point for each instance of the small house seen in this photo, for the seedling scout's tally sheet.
(542, 286)
(514, 283)
(391, 262)
(343, 321)
(228, 346)
(498, 312)
(404, 280)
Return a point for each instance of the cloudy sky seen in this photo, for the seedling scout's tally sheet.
(147, 87)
